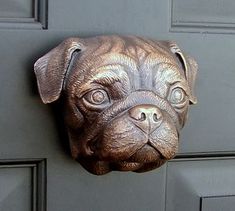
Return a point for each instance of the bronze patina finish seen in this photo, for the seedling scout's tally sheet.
(126, 99)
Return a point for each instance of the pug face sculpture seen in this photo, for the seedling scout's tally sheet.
(125, 99)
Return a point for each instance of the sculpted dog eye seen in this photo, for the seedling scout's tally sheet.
(177, 96)
(98, 97)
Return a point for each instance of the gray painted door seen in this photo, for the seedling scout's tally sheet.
(36, 170)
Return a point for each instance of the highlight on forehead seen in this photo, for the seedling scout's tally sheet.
(142, 43)
(130, 51)
(119, 59)
(125, 44)
(105, 44)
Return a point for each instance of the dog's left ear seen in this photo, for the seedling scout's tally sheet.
(190, 67)
(51, 69)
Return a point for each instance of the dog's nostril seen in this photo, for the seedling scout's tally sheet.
(156, 117)
(147, 114)
(142, 116)
(146, 117)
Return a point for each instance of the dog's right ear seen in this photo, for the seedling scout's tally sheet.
(51, 69)
(190, 68)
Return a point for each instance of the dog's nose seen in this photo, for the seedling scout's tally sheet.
(147, 117)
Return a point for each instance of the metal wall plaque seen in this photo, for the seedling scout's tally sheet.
(125, 99)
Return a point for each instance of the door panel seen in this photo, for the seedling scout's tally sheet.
(202, 16)
(75, 189)
(218, 203)
(200, 184)
(15, 188)
(23, 184)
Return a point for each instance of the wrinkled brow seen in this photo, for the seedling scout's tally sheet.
(167, 75)
(107, 76)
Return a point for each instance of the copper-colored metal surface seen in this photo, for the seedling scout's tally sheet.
(125, 99)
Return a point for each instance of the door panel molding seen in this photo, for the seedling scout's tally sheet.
(217, 203)
(202, 16)
(24, 182)
(191, 181)
(30, 14)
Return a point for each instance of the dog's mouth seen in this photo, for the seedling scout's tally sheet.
(146, 154)
(145, 158)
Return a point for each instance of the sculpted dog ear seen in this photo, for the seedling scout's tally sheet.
(190, 67)
(51, 69)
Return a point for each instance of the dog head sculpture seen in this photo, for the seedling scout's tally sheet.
(125, 99)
